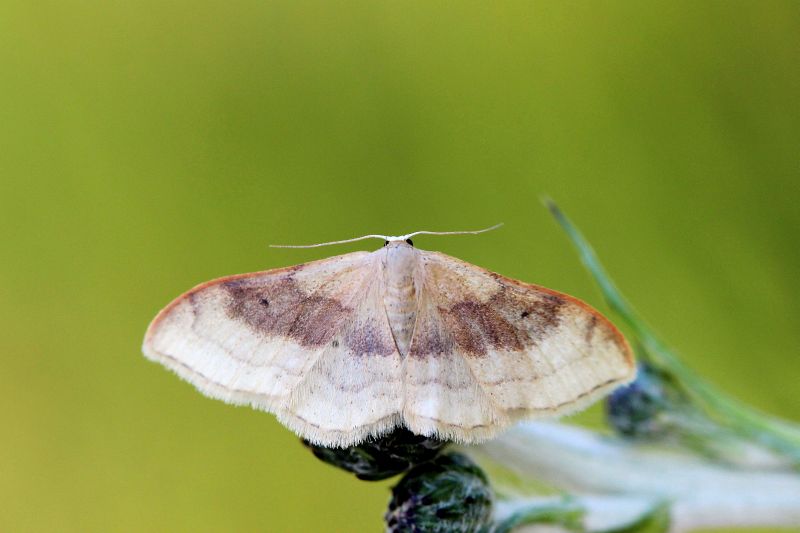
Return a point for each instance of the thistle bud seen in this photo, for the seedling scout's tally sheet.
(446, 495)
(638, 409)
(382, 457)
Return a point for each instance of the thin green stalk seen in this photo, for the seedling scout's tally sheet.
(776, 434)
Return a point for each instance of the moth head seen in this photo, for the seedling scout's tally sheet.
(398, 241)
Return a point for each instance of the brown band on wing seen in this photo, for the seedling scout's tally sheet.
(429, 339)
(602, 322)
(281, 308)
(590, 327)
(430, 343)
(477, 326)
(508, 321)
(368, 338)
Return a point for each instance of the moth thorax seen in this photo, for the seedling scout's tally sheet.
(400, 295)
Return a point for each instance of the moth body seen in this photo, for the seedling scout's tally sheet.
(400, 294)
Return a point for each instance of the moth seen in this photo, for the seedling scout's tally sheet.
(353, 346)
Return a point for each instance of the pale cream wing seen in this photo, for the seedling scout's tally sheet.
(310, 343)
(488, 350)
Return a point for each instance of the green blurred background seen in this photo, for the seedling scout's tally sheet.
(147, 146)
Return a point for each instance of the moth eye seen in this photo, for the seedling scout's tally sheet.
(386, 243)
(409, 241)
(524, 314)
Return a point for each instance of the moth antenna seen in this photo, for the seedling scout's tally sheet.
(384, 237)
(472, 232)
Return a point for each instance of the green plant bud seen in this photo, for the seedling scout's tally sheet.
(381, 457)
(446, 495)
(636, 410)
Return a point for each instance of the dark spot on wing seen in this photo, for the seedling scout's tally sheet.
(540, 315)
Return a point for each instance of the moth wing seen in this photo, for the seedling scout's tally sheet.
(488, 350)
(309, 343)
